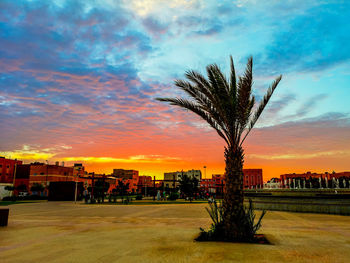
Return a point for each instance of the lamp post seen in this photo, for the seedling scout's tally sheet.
(14, 178)
(76, 187)
(47, 174)
(205, 171)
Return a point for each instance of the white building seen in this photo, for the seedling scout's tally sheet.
(172, 179)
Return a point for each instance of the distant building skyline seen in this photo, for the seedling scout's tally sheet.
(79, 79)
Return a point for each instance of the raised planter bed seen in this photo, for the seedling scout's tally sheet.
(4, 215)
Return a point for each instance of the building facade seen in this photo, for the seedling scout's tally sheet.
(172, 179)
(252, 179)
(8, 169)
(315, 180)
(128, 176)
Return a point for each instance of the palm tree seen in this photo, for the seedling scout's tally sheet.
(228, 107)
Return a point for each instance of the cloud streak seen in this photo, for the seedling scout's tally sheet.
(85, 74)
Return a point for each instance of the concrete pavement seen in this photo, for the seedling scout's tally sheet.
(65, 232)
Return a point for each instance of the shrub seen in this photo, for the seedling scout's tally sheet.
(9, 198)
(33, 197)
(138, 197)
(216, 231)
(173, 196)
(127, 200)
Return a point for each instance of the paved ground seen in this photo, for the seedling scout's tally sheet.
(64, 232)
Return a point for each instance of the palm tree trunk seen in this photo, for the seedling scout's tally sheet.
(233, 198)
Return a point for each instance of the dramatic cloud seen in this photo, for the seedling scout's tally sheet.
(79, 79)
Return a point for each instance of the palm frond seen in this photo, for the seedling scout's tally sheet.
(244, 99)
(203, 86)
(220, 91)
(203, 101)
(189, 105)
(261, 106)
(226, 104)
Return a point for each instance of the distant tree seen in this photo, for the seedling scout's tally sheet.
(122, 189)
(9, 188)
(100, 188)
(22, 188)
(114, 194)
(188, 186)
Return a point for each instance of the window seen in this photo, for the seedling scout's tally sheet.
(7, 166)
(41, 173)
(0, 165)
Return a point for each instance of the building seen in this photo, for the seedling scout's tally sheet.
(172, 179)
(128, 176)
(145, 180)
(78, 170)
(144, 183)
(252, 179)
(208, 186)
(8, 174)
(316, 180)
(43, 174)
(8, 169)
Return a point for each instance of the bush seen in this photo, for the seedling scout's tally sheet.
(34, 197)
(138, 197)
(173, 196)
(9, 198)
(216, 231)
(127, 200)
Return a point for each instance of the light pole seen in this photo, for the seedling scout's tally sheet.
(205, 171)
(14, 178)
(76, 188)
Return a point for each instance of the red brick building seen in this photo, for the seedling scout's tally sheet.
(128, 176)
(7, 169)
(252, 179)
(145, 180)
(43, 174)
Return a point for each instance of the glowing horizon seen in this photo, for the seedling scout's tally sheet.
(79, 81)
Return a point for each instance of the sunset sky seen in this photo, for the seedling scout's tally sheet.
(78, 82)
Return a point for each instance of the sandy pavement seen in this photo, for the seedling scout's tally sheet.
(68, 232)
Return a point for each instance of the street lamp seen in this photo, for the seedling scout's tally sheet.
(76, 187)
(14, 178)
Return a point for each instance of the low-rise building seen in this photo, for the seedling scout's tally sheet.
(128, 176)
(8, 169)
(252, 179)
(316, 180)
(172, 179)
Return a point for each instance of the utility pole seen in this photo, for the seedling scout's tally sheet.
(174, 184)
(145, 187)
(154, 188)
(103, 186)
(76, 187)
(14, 177)
(47, 174)
(92, 185)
